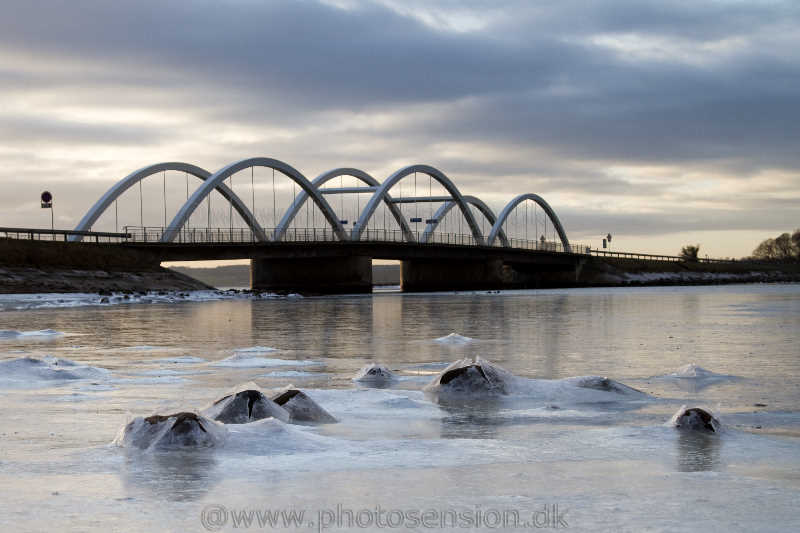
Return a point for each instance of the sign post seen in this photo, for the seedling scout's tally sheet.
(47, 203)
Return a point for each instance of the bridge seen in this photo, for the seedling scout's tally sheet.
(312, 246)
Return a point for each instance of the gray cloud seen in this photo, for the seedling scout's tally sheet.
(549, 96)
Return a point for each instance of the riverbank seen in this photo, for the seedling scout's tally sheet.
(27, 280)
(612, 272)
(58, 267)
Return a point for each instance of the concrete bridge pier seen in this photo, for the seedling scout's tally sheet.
(451, 275)
(313, 275)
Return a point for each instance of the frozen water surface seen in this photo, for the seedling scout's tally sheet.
(594, 377)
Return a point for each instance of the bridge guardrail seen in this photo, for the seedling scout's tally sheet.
(658, 257)
(37, 234)
(311, 235)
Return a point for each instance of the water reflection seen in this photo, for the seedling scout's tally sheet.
(472, 418)
(698, 451)
(174, 475)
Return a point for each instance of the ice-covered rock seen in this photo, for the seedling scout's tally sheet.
(468, 376)
(602, 384)
(374, 374)
(253, 358)
(695, 419)
(454, 339)
(692, 371)
(245, 406)
(32, 371)
(39, 333)
(175, 431)
(301, 407)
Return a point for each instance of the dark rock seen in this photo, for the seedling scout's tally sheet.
(301, 408)
(245, 406)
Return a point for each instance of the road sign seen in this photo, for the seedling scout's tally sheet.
(47, 200)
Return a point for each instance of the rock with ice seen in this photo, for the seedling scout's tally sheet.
(602, 384)
(32, 371)
(245, 406)
(184, 359)
(301, 408)
(468, 376)
(40, 333)
(297, 374)
(694, 378)
(695, 419)
(256, 350)
(251, 358)
(175, 431)
(692, 371)
(454, 339)
(375, 374)
(480, 378)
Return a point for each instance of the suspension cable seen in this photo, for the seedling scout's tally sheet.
(274, 209)
(526, 220)
(416, 204)
(141, 210)
(164, 198)
(188, 222)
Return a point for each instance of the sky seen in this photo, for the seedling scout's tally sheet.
(663, 122)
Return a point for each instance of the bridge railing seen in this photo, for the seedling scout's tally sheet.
(658, 257)
(38, 234)
(311, 235)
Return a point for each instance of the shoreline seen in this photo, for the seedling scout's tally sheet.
(31, 267)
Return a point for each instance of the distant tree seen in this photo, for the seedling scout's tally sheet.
(766, 250)
(796, 242)
(784, 247)
(690, 251)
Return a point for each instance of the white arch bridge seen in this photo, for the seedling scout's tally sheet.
(288, 254)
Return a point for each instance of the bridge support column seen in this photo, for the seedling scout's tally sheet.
(329, 275)
(426, 276)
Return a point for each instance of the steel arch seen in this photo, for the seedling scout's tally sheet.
(133, 178)
(325, 177)
(228, 170)
(547, 209)
(447, 206)
(434, 173)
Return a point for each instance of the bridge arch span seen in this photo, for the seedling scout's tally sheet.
(321, 180)
(133, 178)
(501, 219)
(447, 206)
(222, 174)
(434, 173)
